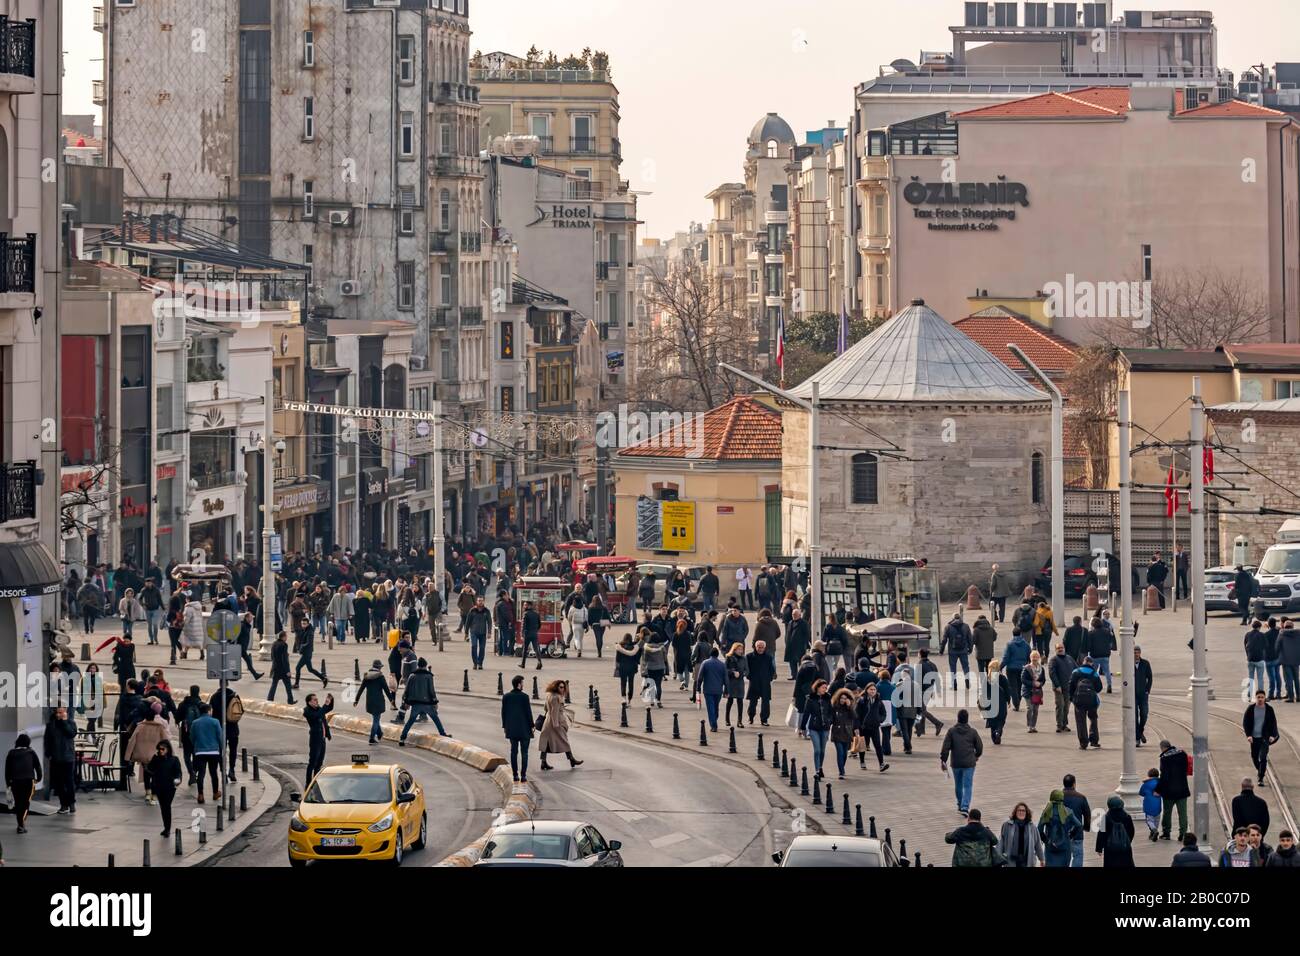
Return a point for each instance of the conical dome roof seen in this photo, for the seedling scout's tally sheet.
(918, 357)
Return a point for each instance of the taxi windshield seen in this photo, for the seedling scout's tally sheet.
(350, 788)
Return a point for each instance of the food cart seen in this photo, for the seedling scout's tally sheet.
(616, 599)
(573, 550)
(887, 634)
(547, 597)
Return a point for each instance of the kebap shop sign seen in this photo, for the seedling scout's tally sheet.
(965, 207)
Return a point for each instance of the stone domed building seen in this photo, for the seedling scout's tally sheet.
(931, 448)
(771, 138)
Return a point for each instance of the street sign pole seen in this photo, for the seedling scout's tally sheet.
(1129, 782)
(1200, 676)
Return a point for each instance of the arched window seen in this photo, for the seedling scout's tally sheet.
(866, 479)
(771, 149)
(1036, 478)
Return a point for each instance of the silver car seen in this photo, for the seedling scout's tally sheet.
(822, 851)
(1221, 588)
(550, 843)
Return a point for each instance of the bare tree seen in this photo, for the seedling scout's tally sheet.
(698, 327)
(89, 495)
(1195, 308)
(1092, 394)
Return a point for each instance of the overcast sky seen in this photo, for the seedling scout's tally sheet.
(694, 75)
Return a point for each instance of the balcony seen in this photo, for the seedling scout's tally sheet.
(548, 145)
(18, 53)
(97, 92)
(438, 318)
(215, 479)
(17, 266)
(585, 145)
(471, 242)
(17, 491)
(441, 243)
(100, 20)
(602, 271)
(527, 75)
(471, 318)
(453, 93)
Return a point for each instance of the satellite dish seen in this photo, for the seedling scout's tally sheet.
(903, 66)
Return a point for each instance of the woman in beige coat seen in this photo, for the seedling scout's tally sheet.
(555, 726)
(144, 744)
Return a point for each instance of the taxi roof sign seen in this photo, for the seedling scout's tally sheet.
(360, 760)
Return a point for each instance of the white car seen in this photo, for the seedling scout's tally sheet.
(826, 851)
(1220, 588)
(549, 843)
(1277, 588)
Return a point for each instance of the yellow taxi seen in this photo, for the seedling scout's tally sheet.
(361, 811)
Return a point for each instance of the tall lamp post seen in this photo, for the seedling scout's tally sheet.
(269, 448)
(1058, 482)
(1129, 783)
(1200, 675)
(814, 486)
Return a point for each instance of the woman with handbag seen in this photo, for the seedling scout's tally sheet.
(654, 662)
(995, 691)
(737, 672)
(627, 658)
(554, 723)
(1033, 681)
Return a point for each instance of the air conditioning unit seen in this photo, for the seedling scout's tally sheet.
(417, 363)
(340, 217)
(349, 287)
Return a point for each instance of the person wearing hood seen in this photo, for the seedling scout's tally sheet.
(985, 637)
(318, 731)
(962, 747)
(194, 632)
(974, 844)
(1239, 854)
(1020, 841)
(362, 604)
(1085, 691)
(1015, 656)
(374, 685)
(422, 699)
(1286, 853)
(1058, 829)
(1190, 855)
(796, 641)
(1115, 835)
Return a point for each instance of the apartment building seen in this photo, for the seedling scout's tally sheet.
(808, 257)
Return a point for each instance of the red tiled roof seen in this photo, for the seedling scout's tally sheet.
(1231, 109)
(994, 328)
(84, 140)
(1098, 102)
(743, 429)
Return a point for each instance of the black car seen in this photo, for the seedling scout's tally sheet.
(1078, 575)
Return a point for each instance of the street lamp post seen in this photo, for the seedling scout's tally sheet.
(439, 533)
(814, 485)
(268, 525)
(1058, 482)
(1200, 676)
(1129, 783)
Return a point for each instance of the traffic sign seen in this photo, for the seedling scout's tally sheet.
(277, 553)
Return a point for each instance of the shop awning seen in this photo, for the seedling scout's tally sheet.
(27, 570)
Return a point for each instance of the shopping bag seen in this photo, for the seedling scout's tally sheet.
(791, 716)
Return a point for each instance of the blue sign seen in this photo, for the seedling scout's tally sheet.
(277, 553)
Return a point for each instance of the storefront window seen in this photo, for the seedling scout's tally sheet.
(212, 458)
(203, 365)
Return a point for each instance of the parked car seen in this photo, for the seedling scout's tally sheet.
(1078, 575)
(1277, 582)
(693, 574)
(1221, 588)
(565, 843)
(827, 851)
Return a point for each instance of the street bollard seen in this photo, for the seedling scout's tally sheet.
(704, 736)
(731, 742)
(230, 809)
(775, 762)
(179, 849)
(112, 861)
(243, 760)
(567, 699)
(146, 861)
(464, 688)
(536, 696)
(871, 828)
(794, 774)
(902, 849)
(785, 764)
(677, 729)
(889, 840)
(830, 800)
(622, 715)
(243, 799)
(501, 687)
(760, 748)
(85, 653)
(356, 670)
(591, 696)
(649, 724)
(257, 772)
(324, 672)
(857, 820)
(203, 838)
(847, 818)
(917, 856)
(803, 781)
(221, 817)
(817, 790)
(595, 711)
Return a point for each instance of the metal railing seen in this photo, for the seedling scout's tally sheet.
(471, 318)
(17, 490)
(471, 242)
(582, 144)
(100, 18)
(18, 47)
(1050, 71)
(17, 263)
(438, 317)
(97, 92)
(214, 479)
(441, 242)
(526, 75)
(548, 145)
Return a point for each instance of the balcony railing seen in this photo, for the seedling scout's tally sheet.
(548, 145)
(18, 47)
(97, 92)
(214, 479)
(441, 242)
(525, 75)
(452, 92)
(471, 318)
(100, 20)
(602, 270)
(438, 318)
(582, 144)
(17, 263)
(17, 490)
(471, 242)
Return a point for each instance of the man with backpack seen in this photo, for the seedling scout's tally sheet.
(957, 642)
(1085, 691)
(233, 709)
(1059, 829)
(974, 844)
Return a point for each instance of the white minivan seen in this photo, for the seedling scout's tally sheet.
(1279, 573)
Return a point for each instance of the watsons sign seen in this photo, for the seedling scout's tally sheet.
(562, 216)
(965, 207)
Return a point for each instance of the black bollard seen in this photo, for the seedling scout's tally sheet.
(847, 818)
(221, 818)
(535, 695)
(622, 715)
(257, 774)
(567, 699)
(803, 781)
(794, 774)
(830, 801)
(902, 849)
(501, 684)
(731, 742)
(179, 849)
(112, 861)
(595, 712)
(677, 730)
(146, 854)
(230, 808)
(760, 748)
(324, 671)
(464, 688)
(243, 799)
(871, 827)
(649, 724)
(243, 760)
(356, 670)
(917, 856)
(85, 653)
(857, 819)
(889, 840)
(591, 696)
(817, 789)
(775, 762)
(704, 737)
(785, 764)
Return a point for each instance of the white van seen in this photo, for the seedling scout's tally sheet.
(1279, 573)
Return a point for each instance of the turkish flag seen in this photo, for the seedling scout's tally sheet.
(1208, 465)
(1171, 496)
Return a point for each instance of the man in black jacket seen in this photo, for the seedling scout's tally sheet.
(374, 685)
(1078, 804)
(1172, 788)
(422, 699)
(532, 629)
(186, 714)
(1059, 670)
(762, 672)
(1076, 639)
(280, 667)
(1248, 808)
(1259, 723)
(61, 757)
(709, 588)
(1143, 679)
(1189, 855)
(517, 723)
(1157, 575)
(318, 731)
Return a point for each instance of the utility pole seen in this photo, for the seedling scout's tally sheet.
(1200, 675)
(439, 518)
(268, 524)
(1129, 783)
(601, 524)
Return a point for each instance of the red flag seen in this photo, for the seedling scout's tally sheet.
(1208, 465)
(1171, 496)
